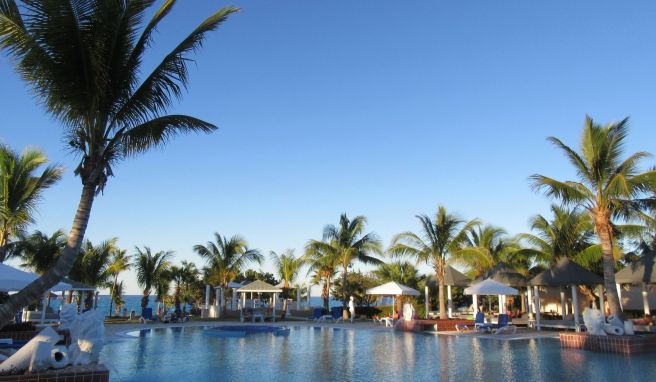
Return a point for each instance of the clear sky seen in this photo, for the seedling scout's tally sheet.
(379, 108)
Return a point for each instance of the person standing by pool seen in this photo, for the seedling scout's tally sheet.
(352, 308)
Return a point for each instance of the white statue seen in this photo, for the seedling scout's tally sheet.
(408, 312)
(67, 316)
(351, 305)
(615, 326)
(594, 321)
(87, 338)
(24, 357)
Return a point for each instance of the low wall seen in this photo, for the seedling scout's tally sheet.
(431, 325)
(95, 373)
(640, 343)
(26, 335)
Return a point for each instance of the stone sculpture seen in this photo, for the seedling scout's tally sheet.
(594, 321)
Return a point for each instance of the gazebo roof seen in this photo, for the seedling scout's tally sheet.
(639, 271)
(505, 274)
(566, 272)
(490, 287)
(259, 286)
(451, 277)
(393, 288)
(13, 279)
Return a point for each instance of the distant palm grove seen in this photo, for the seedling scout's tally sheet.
(605, 219)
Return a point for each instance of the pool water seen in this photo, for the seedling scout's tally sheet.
(335, 354)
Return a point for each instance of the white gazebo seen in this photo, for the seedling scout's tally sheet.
(394, 289)
(490, 287)
(14, 280)
(258, 287)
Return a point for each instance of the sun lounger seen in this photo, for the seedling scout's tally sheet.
(147, 316)
(502, 326)
(336, 314)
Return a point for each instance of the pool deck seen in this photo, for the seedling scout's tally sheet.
(116, 331)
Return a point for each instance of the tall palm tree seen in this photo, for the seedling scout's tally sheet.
(287, 266)
(226, 258)
(182, 275)
(348, 243)
(120, 262)
(38, 251)
(608, 188)
(92, 267)
(150, 268)
(117, 297)
(83, 60)
(440, 239)
(162, 288)
(20, 190)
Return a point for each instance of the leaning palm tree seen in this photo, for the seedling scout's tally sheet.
(92, 267)
(609, 188)
(439, 241)
(20, 191)
(227, 257)
(150, 268)
(83, 60)
(120, 262)
(287, 266)
(348, 243)
(38, 251)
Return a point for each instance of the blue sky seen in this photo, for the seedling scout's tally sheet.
(379, 108)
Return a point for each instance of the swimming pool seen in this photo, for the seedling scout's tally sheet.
(335, 354)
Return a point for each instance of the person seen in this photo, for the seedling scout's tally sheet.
(352, 308)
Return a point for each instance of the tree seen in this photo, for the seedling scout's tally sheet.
(38, 251)
(117, 298)
(120, 262)
(401, 272)
(324, 267)
(83, 60)
(357, 284)
(226, 258)
(287, 266)
(162, 288)
(182, 275)
(487, 246)
(150, 267)
(348, 243)
(20, 190)
(251, 275)
(92, 267)
(439, 241)
(608, 188)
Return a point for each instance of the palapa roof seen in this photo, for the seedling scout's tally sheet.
(451, 277)
(259, 286)
(393, 288)
(639, 271)
(566, 272)
(505, 274)
(490, 287)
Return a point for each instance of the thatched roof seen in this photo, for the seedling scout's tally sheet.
(259, 286)
(566, 272)
(639, 271)
(505, 274)
(451, 277)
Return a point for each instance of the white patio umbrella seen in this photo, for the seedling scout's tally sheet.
(490, 287)
(392, 288)
(13, 280)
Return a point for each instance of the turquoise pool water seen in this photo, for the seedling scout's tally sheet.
(334, 354)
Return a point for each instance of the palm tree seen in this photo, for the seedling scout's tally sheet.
(570, 234)
(182, 275)
(20, 190)
(439, 241)
(162, 288)
(92, 267)
(323, 266)
(226, 258)
(150, 268)
(608, 188)
(287, 266)
(83, 61)
(487, 246)
(120, 263)
(399, 271)
(38, 251)
(117, 297)
(348, 243)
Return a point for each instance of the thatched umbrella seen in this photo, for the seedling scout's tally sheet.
(452, 277)
(561, 274)
(640, 272)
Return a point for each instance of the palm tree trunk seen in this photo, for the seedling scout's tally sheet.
(344, 308)
(111, 294)
(443, 315)
(605, 236)
(3, 245)
(177, 301)
(144, 302)
(64, 264)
